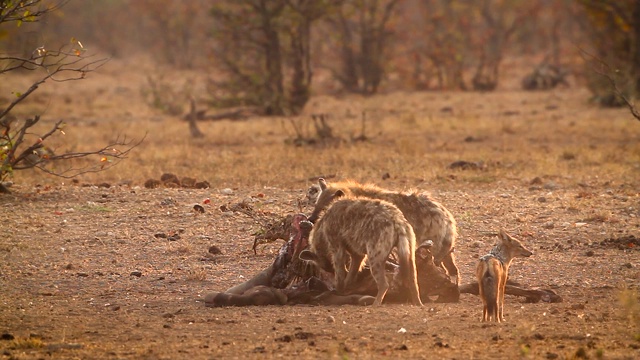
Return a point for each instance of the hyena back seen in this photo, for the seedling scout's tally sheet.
(430, 219)
(492, 273)
(360, 227)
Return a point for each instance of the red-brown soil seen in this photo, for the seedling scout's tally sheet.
(120, 272)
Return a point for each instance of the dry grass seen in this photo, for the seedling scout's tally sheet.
(412, 137)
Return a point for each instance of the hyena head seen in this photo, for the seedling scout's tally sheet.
(313, 193)
(512, 246)
(326, 196)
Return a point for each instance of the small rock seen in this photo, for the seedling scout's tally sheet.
(168, 202)
(7, 336)
(551, 185)
(542, 199)
(226, 191)
(590, 253)
(202, 185)
(536, 181)
(214, 250)
(548, 225)
(331, 319)
(160, 235)
(386, 176)
(403, 347)
(198, 208)
(152, 184)
(136, 273)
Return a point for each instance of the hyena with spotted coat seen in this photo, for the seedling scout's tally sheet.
(360, 227)
(430, 219)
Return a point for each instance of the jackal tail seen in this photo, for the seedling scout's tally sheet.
(489, 272)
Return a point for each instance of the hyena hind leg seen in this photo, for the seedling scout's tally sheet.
(380, 277)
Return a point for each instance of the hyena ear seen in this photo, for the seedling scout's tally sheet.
(338, 193)
(308, 255)
(323, 184)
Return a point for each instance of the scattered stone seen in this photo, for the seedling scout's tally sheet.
(136, 273)
(226, 191)
(386, 176)
(403, 347)
(188, 182)
(160, 235)
(82, 274)
(303, 335)
(152, 184)
(551, 186)
(284, 338)
(202, 185)
(214, 250)
(174, 237)
(548, 225)
(538, 336)
(331, 319)
(536, 181)
(590, 253)
(467, 165)
(168, 202)
(552, 356)
(542, 199)
(104, 185)
(7, 336)
(198, 208)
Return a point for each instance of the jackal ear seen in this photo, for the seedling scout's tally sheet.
(338, 193)
(323, 184)
(308, 255)
(504, 236)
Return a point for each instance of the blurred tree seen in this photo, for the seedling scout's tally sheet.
(362, 30)
(263, 47)
(614, 31)
(20, 146)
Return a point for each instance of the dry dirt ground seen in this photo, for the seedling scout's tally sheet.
(120, 272)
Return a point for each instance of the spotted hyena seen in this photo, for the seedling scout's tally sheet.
(430, 219)
(362, 227)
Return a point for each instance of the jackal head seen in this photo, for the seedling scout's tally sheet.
(512, 246)
(326, 196)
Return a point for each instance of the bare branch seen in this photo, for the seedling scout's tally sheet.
(603, 69)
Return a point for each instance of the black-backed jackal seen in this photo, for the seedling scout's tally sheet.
(492, 273)
(359, 227)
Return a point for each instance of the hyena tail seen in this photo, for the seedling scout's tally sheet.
(407, 257)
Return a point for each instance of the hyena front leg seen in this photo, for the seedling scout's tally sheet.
(449, 263)
(354, 269)
(339, 264)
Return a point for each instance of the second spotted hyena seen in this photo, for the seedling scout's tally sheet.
(430, 219)
(357, 227)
